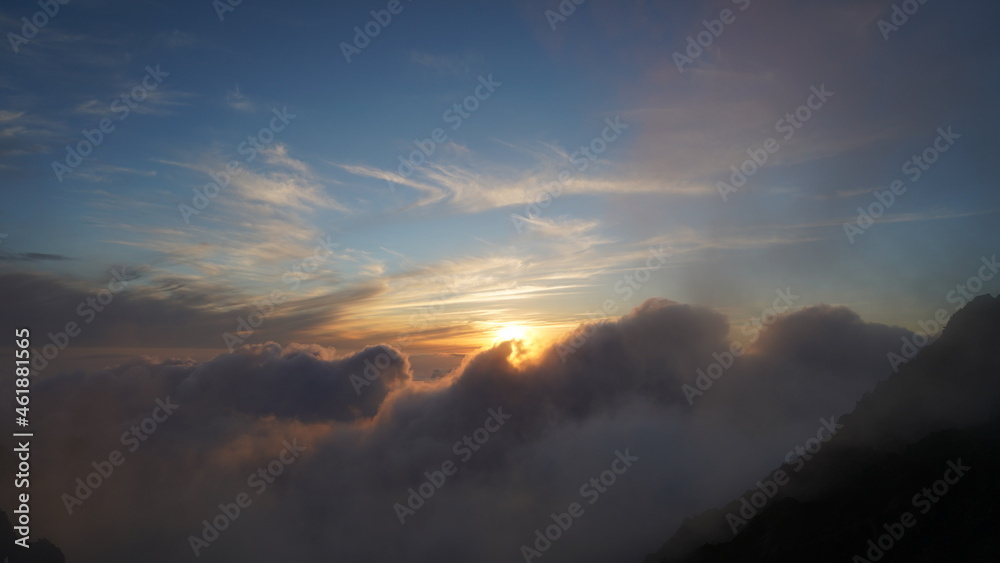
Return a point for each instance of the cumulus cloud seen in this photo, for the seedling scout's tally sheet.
(371, 432)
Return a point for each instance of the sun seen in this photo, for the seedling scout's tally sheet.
(523, 344)
(510, 331)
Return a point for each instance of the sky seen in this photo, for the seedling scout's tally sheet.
(459, 247)
(565, 210)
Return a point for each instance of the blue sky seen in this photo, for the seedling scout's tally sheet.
(332, 171)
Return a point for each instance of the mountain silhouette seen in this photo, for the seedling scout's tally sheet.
(939, 411)
(39, 551)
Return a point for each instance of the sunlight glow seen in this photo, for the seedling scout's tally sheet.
(510, 331)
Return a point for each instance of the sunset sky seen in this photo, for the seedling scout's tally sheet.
(565, 211)
(442, 235)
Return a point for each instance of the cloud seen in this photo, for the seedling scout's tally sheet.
(446, 64)
(621, 387)
(284, 181)
(468, 184)
(178, 39)
(158, 308)
(160, 101)
(31, 257)
(25, 133)
(237, 101)
(306, 383)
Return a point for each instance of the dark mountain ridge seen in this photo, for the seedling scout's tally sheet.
(941, 406)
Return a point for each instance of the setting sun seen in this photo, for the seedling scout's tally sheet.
(510, 331)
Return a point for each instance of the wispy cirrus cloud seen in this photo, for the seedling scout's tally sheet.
(447, 64)
(236, 100)
(469, 184)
